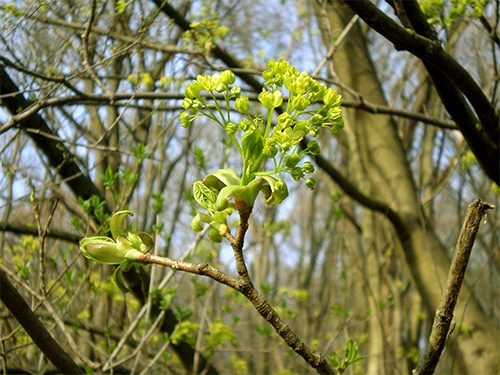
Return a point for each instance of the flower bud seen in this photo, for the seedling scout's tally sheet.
(235, 92)
(185, 119)
(299, 103)
(270, 151)
(187, 104)
(332, 99)
(192, 90)
(317, 120)
(291, 161)
(284, 121)
(208, 82)
(270, 99)
(231, 128)
(245, 125)
(311, 183)
(308, 167)
(313, 148)
(242, 104)
(297, 173)
(227, 77)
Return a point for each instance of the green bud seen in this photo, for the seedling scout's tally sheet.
(221, 88)
(313, 132)
(297, 83)
(313, 148)
(317, 120)
(268, 76)
(338, 125)
(317, 91)
(331, 98)
(105, 250)
(335, 115)
(297, 173)
(270, 151)
(270, 99)
(279, 191)
(196, 224)
(245, 125)
(282, 139)
(235, 92)
(242, 104)
(299, 103)
(311, 183)
(307, 167)
(207, 82)
(300, 129)
(214, 235)
(220, 205)
(187, 104)
(141, 241)
(101, 249)
(131, 253)
(285, 120)
(291, 161)
(192, 90)
(227, 77)
(185, 119)
(231, 128)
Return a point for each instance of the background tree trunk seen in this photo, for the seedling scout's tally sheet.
(388, 178)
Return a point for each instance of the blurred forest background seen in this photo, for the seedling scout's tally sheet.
(89, 124)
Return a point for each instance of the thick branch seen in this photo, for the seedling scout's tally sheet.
(444, 313)
(448, 75)
(60, 158)
(34, 328)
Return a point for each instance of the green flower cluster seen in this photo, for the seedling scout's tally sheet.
(261, 139)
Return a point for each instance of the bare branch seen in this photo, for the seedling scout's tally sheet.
(450, 78)
(444, 313)
(35, 329)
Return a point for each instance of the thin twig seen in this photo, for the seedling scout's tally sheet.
(245, 286)
(444, 314)
(335, 45)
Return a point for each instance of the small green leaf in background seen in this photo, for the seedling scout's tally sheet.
(350, 357)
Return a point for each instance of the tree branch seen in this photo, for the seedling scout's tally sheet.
(264, 308)
(64, 164)
(34, 328)
(122, 99)
(451, 80)
(444, 314)
(220, 53)
(245, 286)
(60, 158)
